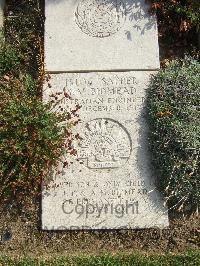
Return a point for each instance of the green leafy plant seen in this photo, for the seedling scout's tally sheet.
(9, 59)
(186, 12)
(32, 135)
(174, 114)
(24, 29)
(178, 26)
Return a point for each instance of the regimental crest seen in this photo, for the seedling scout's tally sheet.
(105, 144)
(100, 18)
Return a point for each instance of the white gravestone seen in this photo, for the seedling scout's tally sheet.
(96, 45)
(112, 184)
(92, 35)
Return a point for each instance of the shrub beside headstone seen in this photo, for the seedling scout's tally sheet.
(173, 106)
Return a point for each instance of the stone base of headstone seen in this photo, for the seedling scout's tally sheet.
(112, 185)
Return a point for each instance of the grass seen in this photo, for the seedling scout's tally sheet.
(189, 258)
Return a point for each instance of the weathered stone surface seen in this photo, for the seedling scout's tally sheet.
(92, 35)
(2, 5)
(112, 185)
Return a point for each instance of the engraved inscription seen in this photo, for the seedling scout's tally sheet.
(105, 144)
(100, 18)
(103, 93)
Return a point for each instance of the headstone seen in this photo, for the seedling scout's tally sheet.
(103, 53)
(93, 35)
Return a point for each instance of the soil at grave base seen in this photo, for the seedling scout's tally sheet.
(27, 239)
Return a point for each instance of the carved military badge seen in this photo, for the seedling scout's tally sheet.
(100, 18)
(106, 144)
